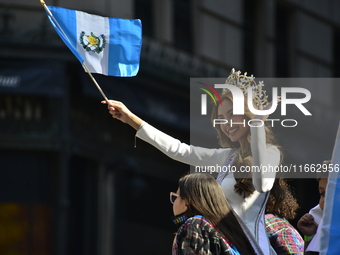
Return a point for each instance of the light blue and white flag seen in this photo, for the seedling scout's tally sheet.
(330, 231)
(108, 46)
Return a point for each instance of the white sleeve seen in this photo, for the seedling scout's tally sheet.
(175, 149)
(264, 158)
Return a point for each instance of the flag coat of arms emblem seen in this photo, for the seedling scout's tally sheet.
(108, 46)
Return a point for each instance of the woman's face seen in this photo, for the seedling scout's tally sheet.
(236, 132)
(179, 205)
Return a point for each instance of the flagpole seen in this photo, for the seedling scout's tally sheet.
(83, 64)
(95, 82)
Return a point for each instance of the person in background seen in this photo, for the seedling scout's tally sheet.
(207, 224)
(309, 224)
(281, 207)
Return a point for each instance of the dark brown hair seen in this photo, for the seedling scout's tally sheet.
(205, 197)
(281, 201)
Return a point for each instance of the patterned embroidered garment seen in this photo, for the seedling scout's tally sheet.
(199, 236)
(284, 238)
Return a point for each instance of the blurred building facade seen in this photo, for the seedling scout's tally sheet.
(72, 181)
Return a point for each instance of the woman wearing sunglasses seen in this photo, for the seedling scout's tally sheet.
(207, 224)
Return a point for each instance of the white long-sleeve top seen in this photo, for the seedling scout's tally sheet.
(248, 209)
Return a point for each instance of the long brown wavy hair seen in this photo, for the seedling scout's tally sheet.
(205, 197)
(243, 184)
(282, 201)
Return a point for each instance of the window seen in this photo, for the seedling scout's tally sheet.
(282, 43)
(144, 12)
(183, 25)
(249, 35)
(26, 191)
(336, 67)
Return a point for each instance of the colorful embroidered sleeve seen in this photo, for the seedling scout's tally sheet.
(284, 238)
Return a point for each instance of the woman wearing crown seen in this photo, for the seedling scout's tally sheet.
(244, 147)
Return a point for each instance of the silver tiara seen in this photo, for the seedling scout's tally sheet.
(242, 81)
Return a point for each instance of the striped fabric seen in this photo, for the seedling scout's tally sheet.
(108, 46)
(284, 238)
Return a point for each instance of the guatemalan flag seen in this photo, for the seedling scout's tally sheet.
(330, 231)
(108, 46)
